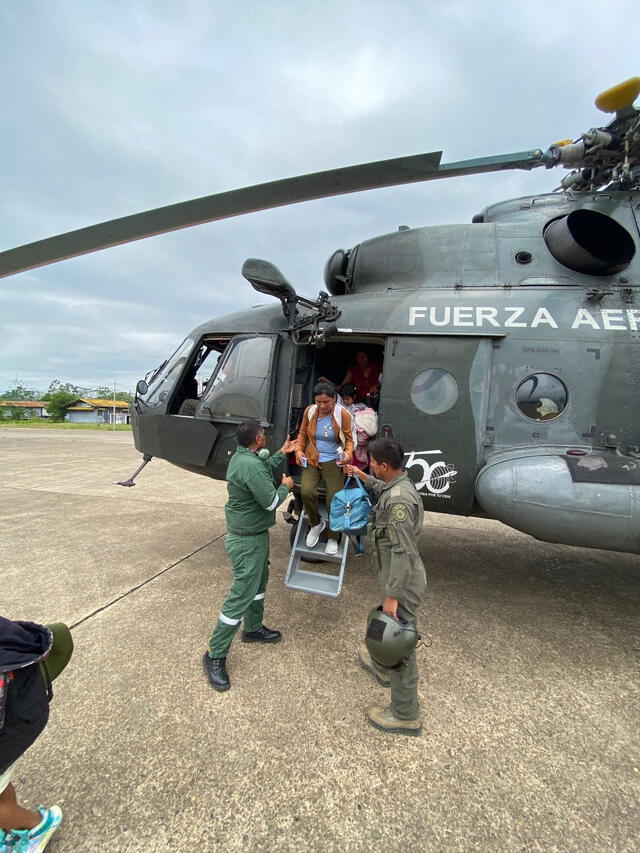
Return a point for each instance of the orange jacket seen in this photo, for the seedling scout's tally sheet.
(306, 441)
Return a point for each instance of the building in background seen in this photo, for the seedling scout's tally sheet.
(88, 410)
(31, 408)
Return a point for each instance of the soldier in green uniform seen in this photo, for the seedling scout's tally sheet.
(250, 512)
(393, 535)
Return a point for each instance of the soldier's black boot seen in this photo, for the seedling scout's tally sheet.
(262, 635)
(216, 672)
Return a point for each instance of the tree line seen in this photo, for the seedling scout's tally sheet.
(58, 398)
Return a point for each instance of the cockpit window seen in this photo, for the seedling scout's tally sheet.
(541, 397)
(165, 379)
(239, 388)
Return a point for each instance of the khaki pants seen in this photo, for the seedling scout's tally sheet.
(334, 482)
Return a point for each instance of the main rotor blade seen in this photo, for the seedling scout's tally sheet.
(402, 170)
(384, 173)
(520, 160)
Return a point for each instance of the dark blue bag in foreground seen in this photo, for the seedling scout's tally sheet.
(350, 508)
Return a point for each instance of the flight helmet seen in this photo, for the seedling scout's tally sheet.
(389, 640)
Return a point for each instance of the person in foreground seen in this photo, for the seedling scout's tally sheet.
(393, 535)
(31, 656)
(250, 512)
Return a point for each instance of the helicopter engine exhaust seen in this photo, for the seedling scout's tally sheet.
(589, 242)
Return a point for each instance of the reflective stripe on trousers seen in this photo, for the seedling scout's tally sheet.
(249, 556)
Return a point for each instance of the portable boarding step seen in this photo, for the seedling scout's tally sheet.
(318, 583)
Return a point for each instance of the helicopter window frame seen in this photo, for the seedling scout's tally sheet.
(267, 394)
(172, 370)
(542, 420)
(201, 354)
(213, 346)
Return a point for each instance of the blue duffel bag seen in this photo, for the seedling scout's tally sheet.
(350, 508)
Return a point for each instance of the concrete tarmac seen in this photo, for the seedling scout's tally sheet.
(529, 689)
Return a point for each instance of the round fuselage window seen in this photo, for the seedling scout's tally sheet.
(434, 391)
(541, 397)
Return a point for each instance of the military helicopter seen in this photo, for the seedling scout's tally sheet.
(511, 365)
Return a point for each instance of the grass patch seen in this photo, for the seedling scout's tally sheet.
(37, 424)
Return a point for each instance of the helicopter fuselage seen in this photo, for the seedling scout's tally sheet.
(511, 367)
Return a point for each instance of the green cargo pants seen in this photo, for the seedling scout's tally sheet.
(333, 477)
(404, 680)
(249, 556)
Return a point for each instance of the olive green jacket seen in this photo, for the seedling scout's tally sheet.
(253, 493)
(393, 538)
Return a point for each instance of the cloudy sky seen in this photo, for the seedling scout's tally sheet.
(111, 107)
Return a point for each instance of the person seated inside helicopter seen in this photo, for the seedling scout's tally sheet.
(366, 374)
(190, 403)
(323, 446)
(365, 421)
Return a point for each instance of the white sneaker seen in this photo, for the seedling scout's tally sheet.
(332, 547)
(314, 534)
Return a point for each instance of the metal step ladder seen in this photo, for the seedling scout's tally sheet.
(318, 583)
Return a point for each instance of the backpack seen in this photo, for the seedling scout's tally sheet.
(350, 508)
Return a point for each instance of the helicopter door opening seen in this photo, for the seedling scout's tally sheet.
(343, 363)
(434, 400)
(353, 363)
